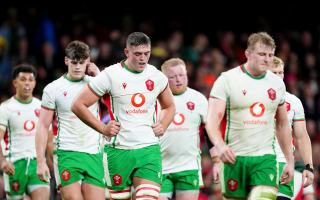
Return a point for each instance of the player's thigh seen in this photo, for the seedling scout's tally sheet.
(149, 163)
(16, 185)
(92, 192)
(167, 187)
(119, 168)
(285, 190)
(72, 192)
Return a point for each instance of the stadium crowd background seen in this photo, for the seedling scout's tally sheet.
(33, 35)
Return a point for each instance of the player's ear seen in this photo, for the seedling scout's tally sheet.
(247, 52)
(126, 51)
(66, 60)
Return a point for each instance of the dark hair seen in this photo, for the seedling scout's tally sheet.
(23, 68)
(137, 39)
(77, 50)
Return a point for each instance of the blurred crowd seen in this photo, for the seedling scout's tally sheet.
(34, 37)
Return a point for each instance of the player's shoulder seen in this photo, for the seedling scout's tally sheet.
(36, 100)
(55, 84)
(274, 78)
(193, 92)
(112, 68)
(7, 102)
(236, 71)
(292, 98)
(154, 71)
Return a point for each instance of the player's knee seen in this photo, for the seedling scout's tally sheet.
(122, 194)
(263, 193)
(147, 192)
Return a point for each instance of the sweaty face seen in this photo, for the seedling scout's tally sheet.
(138, 57)
(278, 70)
(24, 85)
(177, 77)
(259, 58)
(76, 69)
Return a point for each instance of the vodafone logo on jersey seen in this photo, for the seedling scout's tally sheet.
(257, 109)
(178, 119)
(29, 125)
(138, 99)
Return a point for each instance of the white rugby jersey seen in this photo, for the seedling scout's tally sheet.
(20, 120)
(251, 104)
(295, 113)
(73, 134)
(180, 144)
(132, 100)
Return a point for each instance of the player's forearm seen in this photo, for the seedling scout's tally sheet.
(166, 116)
(41, 142)
(214, 135)
(84, 114)
(284, 138)
(303, 144)
(2, 133)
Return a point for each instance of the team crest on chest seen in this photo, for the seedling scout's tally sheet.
(150, 84)
(288, 106)
(272, 94)
(190, 105)
(37, 112)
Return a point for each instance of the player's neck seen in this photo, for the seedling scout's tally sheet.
(127, 66)
(252, 72)
(22, 99)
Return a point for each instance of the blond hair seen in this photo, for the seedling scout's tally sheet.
(262, 37)
(277, 62)
(172, 62)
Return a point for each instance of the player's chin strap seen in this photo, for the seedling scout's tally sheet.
(147, 192)
(263, 193)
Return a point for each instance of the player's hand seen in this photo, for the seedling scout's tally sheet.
(216, 172)
(158, 129)
(307, 178)
(92, 69)
(287, 174)
(7, 167)
(43, 171)
(226, 154)
(111, 129)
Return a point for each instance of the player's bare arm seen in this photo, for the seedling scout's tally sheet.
(79, 107)
(45, 120)
(5, 165)
(216, 112)
(284, 138)
(167, 112)
(303, 144)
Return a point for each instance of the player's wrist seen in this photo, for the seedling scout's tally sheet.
(309, 168)
(215, 159)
